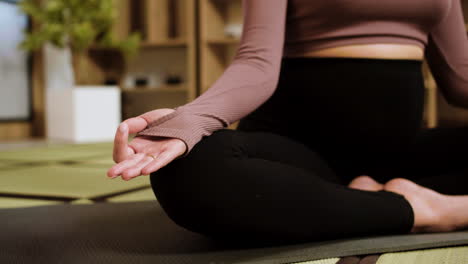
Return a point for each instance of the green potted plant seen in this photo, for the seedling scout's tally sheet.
(67, 30)
(76, 25)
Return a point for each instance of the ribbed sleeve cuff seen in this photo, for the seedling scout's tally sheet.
(186, 126)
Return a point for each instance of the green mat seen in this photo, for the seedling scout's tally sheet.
(320, 261)
(140, 232)
(65, 172)
(453, 255)
(65, 181)
(143, 195)
(98, 162)
(4, 164)
(82, 201)
(62, 152)
(6, 202)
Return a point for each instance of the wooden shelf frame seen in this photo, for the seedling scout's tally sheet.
(167, 27)
(216, 48)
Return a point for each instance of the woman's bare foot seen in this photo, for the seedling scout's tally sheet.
(365, 183)
(432, 212)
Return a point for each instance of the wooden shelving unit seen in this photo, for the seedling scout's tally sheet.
(168, 48)
(216, 47)
(172, 44)
(165, 44)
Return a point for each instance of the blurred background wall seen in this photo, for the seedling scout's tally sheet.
(186, 45)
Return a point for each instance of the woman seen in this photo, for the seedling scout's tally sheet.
(330, 144)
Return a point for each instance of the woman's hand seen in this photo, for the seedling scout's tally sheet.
(133, 159)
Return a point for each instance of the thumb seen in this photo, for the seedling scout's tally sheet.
(135, 124)
(154, 115)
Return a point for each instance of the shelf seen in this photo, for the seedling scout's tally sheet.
(166, 88)
(218, 42)
(96, 47)
(155, 44)
(138, 101)
(166, 43)
(217, 15)
(221, 41)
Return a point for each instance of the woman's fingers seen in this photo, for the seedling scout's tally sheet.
(117, 169)
(173, 149)
(121, 149)
(161, 160)
(135, 170)
(142, 163)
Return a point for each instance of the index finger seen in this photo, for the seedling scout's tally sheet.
(121, 150)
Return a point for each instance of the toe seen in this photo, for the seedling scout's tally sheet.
(401, 185)
(365, 183)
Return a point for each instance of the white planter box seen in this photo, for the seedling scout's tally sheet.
(83, 114)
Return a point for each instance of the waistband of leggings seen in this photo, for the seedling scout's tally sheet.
(350, 59)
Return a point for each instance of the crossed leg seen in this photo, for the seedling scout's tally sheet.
(265, 187)
(437, 162)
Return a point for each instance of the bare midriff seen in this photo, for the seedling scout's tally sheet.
(379, 51)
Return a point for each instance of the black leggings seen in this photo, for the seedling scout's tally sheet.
(282, 175)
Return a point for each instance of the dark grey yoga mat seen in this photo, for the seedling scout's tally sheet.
(140, 232)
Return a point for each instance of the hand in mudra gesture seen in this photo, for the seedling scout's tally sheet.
(143, 155)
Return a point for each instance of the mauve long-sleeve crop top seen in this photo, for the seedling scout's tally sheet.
(273, 29)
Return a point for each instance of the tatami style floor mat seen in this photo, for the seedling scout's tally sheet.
(4, 164)
(320, 261)
(61, 152)
(7, 165)
(99, 162)
(140, 232)
(65, 181)
(82, 201)
(451, 255)
(6, 202)
(143, 195)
